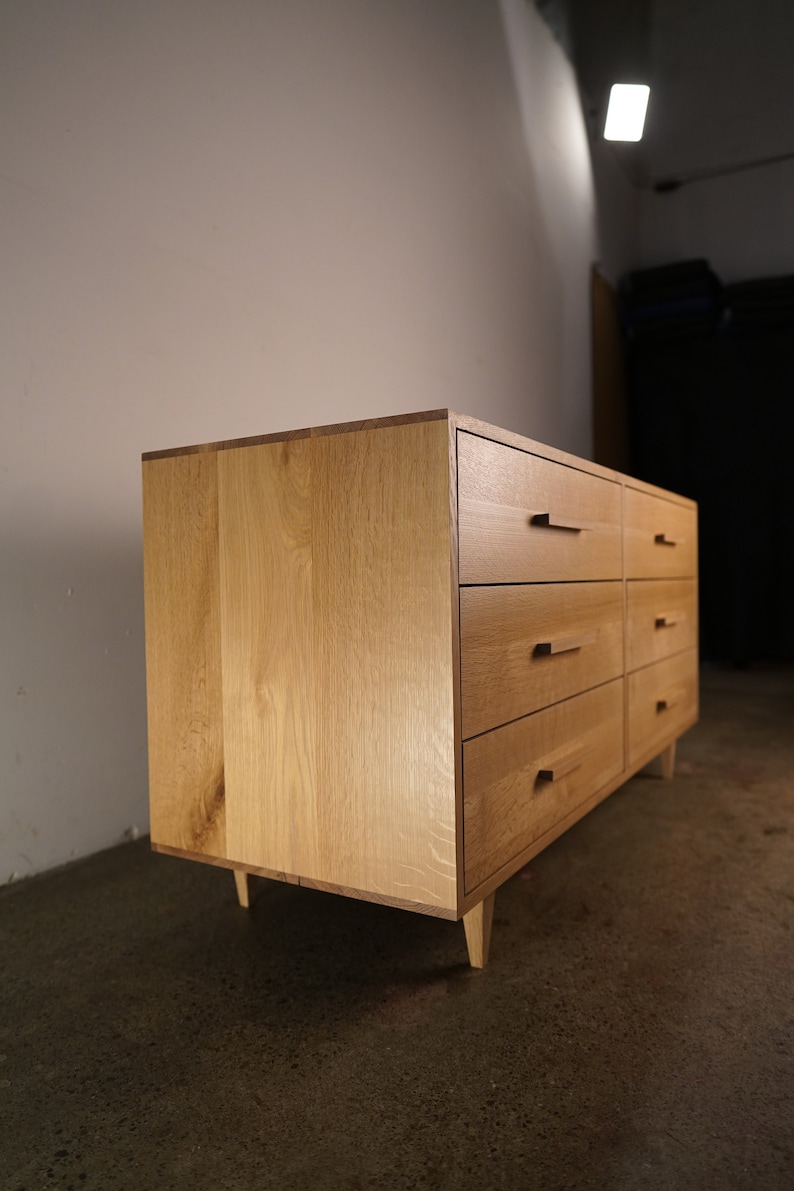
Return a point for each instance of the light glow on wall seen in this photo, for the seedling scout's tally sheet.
(628, 103)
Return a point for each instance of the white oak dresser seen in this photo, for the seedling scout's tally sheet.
(395, 659)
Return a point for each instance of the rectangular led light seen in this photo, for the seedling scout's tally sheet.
(628, 103)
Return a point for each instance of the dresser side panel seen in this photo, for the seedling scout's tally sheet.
(183, 660)
(384, 662)
(268, 665)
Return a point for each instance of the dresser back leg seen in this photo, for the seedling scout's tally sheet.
(477, 925)
(668, 760)
(241, 881)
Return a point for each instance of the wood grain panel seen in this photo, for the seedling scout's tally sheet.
(507, 804)
(504, 493)
(383, 647)
(662, 703)
(268, 668)
(504, 675)
(661, 537)
(183, 664)
(662, 619)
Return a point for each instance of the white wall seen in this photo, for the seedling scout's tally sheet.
(742, 224)
(232, 217)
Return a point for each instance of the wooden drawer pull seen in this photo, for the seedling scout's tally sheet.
(663, 539)
(565, 644)
(566, 765)
(668, 701)
(552, 521)
(666, 620)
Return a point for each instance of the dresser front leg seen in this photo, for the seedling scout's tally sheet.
(668, 760)
(477, 925)
(241, 881)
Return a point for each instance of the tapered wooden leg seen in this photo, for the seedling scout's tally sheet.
(477, 925)
(241, 881)
(668, 760)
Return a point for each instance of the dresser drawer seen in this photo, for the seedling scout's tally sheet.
(525, 519)
(526, 646)
(522, 779)
(662, 702)
(662, 619)
(661, 537)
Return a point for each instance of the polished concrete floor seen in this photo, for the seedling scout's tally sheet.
(634, 1029)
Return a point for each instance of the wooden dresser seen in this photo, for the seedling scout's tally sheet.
(395, 659)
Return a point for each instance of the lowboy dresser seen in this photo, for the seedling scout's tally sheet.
(395, 659)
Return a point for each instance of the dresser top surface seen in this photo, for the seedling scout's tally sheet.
(456, 421)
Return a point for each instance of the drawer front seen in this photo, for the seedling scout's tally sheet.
(662, 619)
(527, 646)
(524, 519)
(520, 780)
(663, 701)
(661, 537)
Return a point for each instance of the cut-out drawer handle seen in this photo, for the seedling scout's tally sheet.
(666, 620)
(552, 521)
(565, 644)
(565, 765)
(669, 701)
(664, 539)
